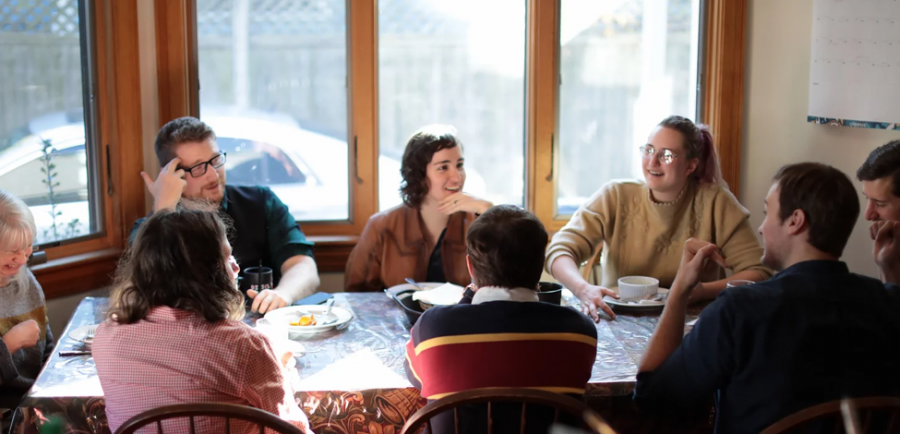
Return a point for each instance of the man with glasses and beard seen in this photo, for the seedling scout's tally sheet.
(264, 231)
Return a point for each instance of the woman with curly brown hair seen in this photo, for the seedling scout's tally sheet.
(425, 237)
(174, 333)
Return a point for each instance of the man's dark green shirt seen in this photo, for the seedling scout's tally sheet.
(264, 231)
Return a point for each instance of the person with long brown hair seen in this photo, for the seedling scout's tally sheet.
(425, 237)
(642, 225)
(173, 333)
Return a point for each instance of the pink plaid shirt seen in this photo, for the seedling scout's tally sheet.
(175, 356)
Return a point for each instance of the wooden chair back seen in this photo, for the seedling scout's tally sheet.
(559, 403)
(851, 416)
(265, 421)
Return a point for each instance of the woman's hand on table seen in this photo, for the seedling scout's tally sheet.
(463, 202)
(591, 297)
(266, 300)
(23, 335)
(287, 360)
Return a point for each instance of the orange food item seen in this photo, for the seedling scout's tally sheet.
(305, 320)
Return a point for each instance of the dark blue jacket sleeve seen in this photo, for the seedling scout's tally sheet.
(699, 366)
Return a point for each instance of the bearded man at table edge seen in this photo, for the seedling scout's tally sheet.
(813, 333)
(500, 335)
(264, 231)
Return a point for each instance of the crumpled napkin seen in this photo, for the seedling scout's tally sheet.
(444, 295)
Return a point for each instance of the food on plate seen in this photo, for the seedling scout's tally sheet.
(305, 320)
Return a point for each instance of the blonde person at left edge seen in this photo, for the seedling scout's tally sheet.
(27, 342)
(264, 231)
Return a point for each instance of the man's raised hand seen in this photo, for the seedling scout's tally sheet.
(168, 186)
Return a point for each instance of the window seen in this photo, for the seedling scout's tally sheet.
(273, 87)
(460, 63)
(47, 155)
(624, 66)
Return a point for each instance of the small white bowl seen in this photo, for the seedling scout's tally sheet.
(637, 287)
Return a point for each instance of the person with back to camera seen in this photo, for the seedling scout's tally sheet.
(425, 237)
(174, 333)
(813, 333)
(641, 225)
(500, 334)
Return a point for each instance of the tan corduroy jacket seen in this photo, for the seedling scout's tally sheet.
(395, 245)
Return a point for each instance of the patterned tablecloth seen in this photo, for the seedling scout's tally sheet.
(350, 380)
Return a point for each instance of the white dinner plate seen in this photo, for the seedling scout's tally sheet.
(646, 305)
(284, 316)
(424, 285)
(84, 333)
(406, 286)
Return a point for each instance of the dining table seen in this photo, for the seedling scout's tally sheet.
(352, 379)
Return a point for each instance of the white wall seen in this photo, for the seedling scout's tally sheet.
(775, 131)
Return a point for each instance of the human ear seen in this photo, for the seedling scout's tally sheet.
(797, 221)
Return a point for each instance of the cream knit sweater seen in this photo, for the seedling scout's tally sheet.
(646, 238)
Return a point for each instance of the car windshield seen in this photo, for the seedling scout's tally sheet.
(258, 163)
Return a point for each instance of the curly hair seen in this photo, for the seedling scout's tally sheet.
(420, 148)
(176, 260)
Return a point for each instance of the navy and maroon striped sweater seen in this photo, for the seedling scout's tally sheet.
(501, 344)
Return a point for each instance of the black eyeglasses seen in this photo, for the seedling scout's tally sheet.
(199, 170)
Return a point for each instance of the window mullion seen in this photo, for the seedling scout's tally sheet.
(362, 96)
(543, 72)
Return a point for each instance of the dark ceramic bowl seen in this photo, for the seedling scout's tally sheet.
(550, 292)
(403, 298)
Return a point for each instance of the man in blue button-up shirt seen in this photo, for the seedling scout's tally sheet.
(812, 333)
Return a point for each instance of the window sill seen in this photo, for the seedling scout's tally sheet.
(332, 251)
(77, 273)
(88, 271)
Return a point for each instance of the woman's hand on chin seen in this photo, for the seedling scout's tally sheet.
(464, 202)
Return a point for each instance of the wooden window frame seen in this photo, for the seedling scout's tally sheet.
(723, 83)
(721, 103)
(87, 265)
(178, 84)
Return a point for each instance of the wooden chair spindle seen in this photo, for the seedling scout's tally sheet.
(490, 418)
(522, 419)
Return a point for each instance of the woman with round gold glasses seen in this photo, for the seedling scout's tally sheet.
(642, 225)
